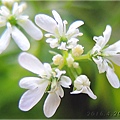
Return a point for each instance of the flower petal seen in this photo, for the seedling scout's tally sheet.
(88, 91)
(30, 82)
(114, 47)
(101, 64)
(20, 39)
(59, 21)
(46, 22)
(4, 40)
(31, 29)
(112, 78)
(76, 91)
(51, 104)
(53, 42)
(107, 34)
(31, 63)
(31, 97)
(115, 59)
(65, 81)
(60, 91)
(75, 25)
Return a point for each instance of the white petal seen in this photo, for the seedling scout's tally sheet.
(20, 39)
(30, 82)
(31, 97)
(75, 25)
(31, 63)
(62, 46)
(59, 21)
(46, 22)
(60, 91)
(112, 78)
(76, 91)
(4, 40)
(48, 69)
(53, 42)
(31, 29)
(2, 21)
(65, 81)
(4, 11)
(107, 34)
(114, 47)
(88, 91)
(72, 43)
(115, 59)
(51, 104)
(101, 64)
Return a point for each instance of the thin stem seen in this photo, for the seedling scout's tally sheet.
(83, 57)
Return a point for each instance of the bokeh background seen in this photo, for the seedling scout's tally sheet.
(96, 15)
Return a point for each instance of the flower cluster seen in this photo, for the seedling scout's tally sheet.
(51, 78)
(13, 18)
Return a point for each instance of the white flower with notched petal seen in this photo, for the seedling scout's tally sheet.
(82, 85)
(48, 81)
(11, 19)
(103, 56)
(58, 36)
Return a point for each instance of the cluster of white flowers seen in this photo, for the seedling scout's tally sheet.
(11, 19)
(51, 78)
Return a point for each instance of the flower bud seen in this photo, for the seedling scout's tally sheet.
(58, 59)
(77, 50)
(70, 60)
(81, 81)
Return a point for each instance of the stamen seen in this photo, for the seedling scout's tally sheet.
(64, 26)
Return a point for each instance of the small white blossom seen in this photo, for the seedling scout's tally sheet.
(58, 59)
(11, 19)
(37, 86)
(103, 56)
(82, 85)
(77, 50)
(56, 28)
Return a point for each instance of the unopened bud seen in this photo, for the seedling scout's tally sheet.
(58, 59)
(77, 50)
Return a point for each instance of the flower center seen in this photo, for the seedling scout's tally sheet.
(12, 20)
(62, 39)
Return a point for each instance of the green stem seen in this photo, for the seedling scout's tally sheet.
(83, 57)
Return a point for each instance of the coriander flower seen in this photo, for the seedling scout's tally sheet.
(12, 19)
(104, 56)
(82, 85)
(48, 80)
(56, 28)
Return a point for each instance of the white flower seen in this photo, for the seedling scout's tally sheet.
(37, 86)
(82, 85)
(11, 19)
(103, 56)
(56, 93)
(56, 28)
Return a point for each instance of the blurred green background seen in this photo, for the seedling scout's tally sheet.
(96, 15)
